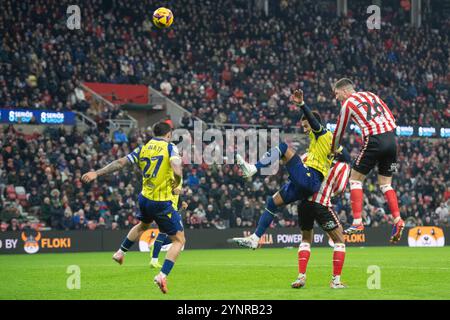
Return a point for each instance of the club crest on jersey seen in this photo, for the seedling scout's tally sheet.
(329, 225)
(394, 167)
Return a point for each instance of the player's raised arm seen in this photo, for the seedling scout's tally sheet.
(297, 98)
(116, 165)
(341, 125)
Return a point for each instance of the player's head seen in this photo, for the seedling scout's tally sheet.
(162, 130)
(343, 88)
(305, 123)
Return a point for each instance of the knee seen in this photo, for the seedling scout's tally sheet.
(339, 239)
(340, 235)
(180, 239)
(271, 206)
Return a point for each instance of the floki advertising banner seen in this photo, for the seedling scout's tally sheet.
(33, 242)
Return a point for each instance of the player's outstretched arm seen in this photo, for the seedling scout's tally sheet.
(116, 165)
(297, 98)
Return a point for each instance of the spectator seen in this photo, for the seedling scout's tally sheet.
(120, 137)
(442, 214)
(200, 215)
(166, 88)
(46, 211)
(14, 225)
(247, 214)
(169, 121)
(56, 215)
(186, 122)
(211, 214)
(227, 213)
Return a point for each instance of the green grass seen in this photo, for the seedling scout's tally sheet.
(406, 273)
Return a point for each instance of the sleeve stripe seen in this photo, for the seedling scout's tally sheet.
(131, 158)
(318, 131)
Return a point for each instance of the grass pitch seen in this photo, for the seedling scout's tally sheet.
(405, 273)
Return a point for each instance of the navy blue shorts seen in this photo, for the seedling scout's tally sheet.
(303, 181)
(291, 193)
(162, 212)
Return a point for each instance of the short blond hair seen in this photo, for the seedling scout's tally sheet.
(343, 82)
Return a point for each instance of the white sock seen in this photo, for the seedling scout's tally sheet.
(254, 237)
(357, 221)
(300, 275)
(336, 279)
(162, 274)
(397, 219)
(154, 260)
(121, 251)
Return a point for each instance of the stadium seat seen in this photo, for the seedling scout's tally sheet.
(21, 193)
(11, 192)
(24, 203)
(12, 196)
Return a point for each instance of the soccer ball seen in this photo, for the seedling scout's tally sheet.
(162, 17)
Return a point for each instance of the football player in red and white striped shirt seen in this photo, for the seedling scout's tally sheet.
(318, 207)
(377, 125)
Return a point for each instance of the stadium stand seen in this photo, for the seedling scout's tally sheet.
(238, 68)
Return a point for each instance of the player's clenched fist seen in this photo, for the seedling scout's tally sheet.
(88, 177)
(297, 97)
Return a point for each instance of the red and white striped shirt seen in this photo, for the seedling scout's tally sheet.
(368, 111)
(334, 184)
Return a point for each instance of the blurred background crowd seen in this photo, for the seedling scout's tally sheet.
(224, 63)
(40, 185)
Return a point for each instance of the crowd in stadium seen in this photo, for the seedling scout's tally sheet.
(236, 68)
(40, 185)
(239, 67)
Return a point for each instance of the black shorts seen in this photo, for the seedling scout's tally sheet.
(309, 211)
(380, 150)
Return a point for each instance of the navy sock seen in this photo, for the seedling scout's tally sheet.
(126, 244)
(167, 266)
(266, 218)
(272, 156)
(160, 241)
